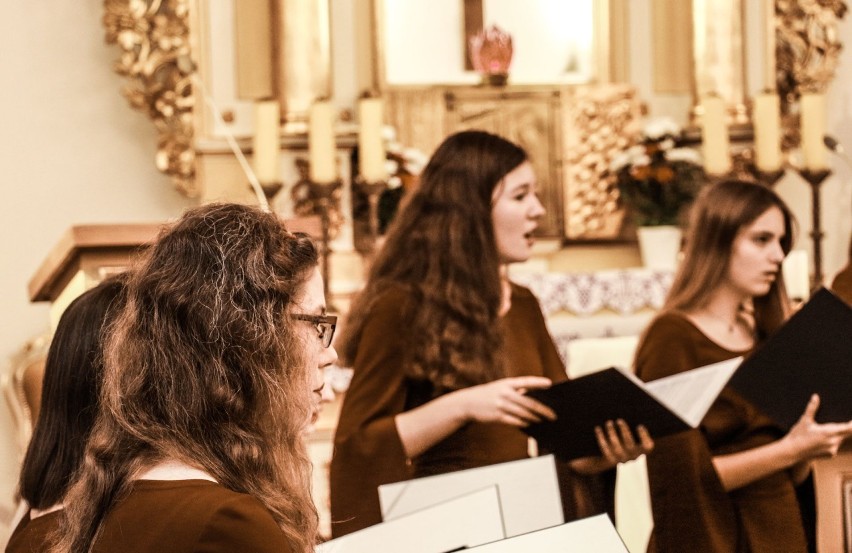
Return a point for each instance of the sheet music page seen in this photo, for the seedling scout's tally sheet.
(589, 535)
(690, 394)
(528, 489)
(457, 524)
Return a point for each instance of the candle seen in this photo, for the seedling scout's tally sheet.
(767, 132)
(813, 131)
(321, 143)
(371, 147)
(714, 136)
(265, 143)
(797, 275)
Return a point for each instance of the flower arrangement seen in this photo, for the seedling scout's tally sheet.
(656, 178)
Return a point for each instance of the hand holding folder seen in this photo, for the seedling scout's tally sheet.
(810, 354)
(665, 406)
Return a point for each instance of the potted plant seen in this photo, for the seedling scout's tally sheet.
(657, 180)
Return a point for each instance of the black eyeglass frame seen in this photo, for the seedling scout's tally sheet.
(323, 323)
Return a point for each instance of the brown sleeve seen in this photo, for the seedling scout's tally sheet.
(242, 524)
(666, 349)
(367, 447)
(532, 317)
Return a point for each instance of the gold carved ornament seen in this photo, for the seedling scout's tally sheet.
(808, 47)
(599, 122)
(155, 57)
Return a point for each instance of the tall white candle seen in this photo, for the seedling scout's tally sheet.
(265, 142)
(813, 131)
(714, 136)
(321, 143)
(797, 278)
(767, 131)
(371, 147)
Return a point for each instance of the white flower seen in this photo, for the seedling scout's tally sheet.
(684, 154)
(394, 182)
(667, 144)
(644, 159)
(659, 127)
(619, 161)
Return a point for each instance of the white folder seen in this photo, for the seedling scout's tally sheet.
(459, 523)
(589, 535)
(528, 489)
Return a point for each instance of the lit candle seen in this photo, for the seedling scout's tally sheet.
(767, 132)
(813, 131)
(714, 136)
(265, 143)
(796, 272)
(371, 147)
(321, 143)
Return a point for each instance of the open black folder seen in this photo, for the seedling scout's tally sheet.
(811, 353)
(665, 406)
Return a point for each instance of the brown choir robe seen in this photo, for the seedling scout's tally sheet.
(691, 509)
(178, 516)
(367, 447)
(842, 284)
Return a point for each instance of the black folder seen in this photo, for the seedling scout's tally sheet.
(811, 353)
(583, 403)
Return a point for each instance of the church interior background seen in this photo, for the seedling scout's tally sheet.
(75, 152)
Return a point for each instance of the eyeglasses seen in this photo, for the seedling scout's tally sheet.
(325, 325)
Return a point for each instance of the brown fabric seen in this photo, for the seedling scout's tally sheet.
(842, 285)
(30, 536)
(367, 448)
(692, 511)
(175, 516)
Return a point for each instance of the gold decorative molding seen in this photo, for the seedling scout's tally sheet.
(598, 122)
(153, 36)
(808, 46)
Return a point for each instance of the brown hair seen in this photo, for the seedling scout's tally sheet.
(441, 249)
(717, 216)
(203, 366)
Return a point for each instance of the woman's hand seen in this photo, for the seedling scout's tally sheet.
(809, 439)
(617, 444)
(504, 401)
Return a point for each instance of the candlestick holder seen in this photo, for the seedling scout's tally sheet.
(768, 178)
(373, 191)
(815, 180)
(323, 199)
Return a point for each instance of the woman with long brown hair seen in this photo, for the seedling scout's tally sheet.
(444, 347)
(211, 378)
(730, 485)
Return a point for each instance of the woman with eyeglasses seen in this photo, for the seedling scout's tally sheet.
(731, 484)
(212, 373)
(444, 346)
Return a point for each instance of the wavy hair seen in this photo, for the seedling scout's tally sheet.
(441, 249)
(204, 366)
(73, 373)
(719, 213)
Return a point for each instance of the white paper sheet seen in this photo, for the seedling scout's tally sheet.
(589, 535)
(528, 489)
(690, 394)
(462, 522)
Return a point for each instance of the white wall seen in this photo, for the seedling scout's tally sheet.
(72, 152)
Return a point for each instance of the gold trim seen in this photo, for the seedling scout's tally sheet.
(808, 45)
(153, 36)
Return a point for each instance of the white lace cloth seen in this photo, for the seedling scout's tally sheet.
(624, 291)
